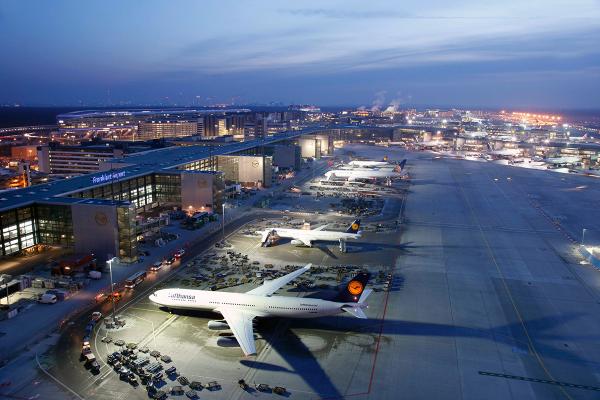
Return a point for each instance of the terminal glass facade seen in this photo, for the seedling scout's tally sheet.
(139, 191)
(127, 235)
(168, 188)
(17, 230)
(218, 193)
(206, 164)
(54, 224)
(25, 227)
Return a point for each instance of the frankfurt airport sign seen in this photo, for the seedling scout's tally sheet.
(107, 177)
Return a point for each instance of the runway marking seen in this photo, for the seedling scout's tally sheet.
(55, 379)
(546, 381)
(506, 288)
(145, 309)
(472, 227)
(387, 296)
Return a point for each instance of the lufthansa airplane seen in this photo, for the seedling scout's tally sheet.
(239, 309)
(369, 164)
(363, 173)
(306, 237)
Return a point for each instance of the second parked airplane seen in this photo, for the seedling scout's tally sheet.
(306, 237)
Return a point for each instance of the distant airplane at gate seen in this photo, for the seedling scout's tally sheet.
(306, 237)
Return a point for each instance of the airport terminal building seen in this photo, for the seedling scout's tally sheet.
(97, 212)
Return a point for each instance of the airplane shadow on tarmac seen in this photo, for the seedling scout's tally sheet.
(304, 362)
(301, 359)
(511, 335)
(360, 247)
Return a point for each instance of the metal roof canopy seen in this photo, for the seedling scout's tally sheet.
(143, 164)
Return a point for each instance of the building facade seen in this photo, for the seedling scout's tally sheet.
(159, 129)
(74, 160)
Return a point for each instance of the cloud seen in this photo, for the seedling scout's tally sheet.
(342, 14)
(382, 14)
(297, 42)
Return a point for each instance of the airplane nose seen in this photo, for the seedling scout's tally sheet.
(154, 298)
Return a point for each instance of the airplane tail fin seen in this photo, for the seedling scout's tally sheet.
(363, 297)
(354, 290)
(357, 308)
(354, 227)
(402, 164)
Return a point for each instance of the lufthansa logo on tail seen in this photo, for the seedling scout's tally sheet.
(354, 226)
(355, 287)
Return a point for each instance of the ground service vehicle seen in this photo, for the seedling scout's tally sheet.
(135, 279)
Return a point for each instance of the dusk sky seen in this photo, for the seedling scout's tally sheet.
(511, 53)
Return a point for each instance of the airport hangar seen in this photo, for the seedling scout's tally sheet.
(97, 212)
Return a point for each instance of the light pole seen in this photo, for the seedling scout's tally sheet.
(7, 296)
(223, 206)
(583, 235)
(112, 294)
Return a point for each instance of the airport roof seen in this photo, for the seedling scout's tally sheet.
(145, 112)
(136, 165)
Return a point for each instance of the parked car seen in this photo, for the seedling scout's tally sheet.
(170, 260)
(156, 266)
(96, 315)
(179, 253)
(95, 366)
(48, 298)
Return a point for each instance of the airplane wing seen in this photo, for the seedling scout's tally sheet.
(321, 227)
(270, 287)
(240, 324)
(305, 240)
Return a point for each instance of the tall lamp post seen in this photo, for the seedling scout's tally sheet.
(112, 288)
(223, 206)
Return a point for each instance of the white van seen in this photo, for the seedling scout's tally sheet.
(95, 275)
(48, 298)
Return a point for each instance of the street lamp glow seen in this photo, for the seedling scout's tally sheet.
(112, 286)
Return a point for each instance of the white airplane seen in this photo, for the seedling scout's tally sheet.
(366, 173)
(368, 164)
(307, 236)
(566, 160)
(374, 164)
(388, 167)
(239, 309)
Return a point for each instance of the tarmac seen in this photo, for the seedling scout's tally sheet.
(489, 300)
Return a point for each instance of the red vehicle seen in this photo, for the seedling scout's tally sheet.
(179, 253)
(74, 263)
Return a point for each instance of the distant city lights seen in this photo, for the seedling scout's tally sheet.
(546, 117)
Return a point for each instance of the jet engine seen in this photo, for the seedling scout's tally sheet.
(297, 242)
(218, 325)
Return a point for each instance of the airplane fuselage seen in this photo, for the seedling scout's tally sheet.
(261, 306)
(314, 235)
(369, 164)
(363, 174)
(368, 169)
